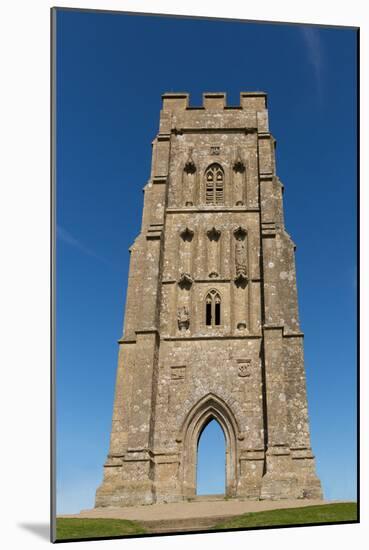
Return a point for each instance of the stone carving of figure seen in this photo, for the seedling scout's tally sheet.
(183, 317)
(241, 267)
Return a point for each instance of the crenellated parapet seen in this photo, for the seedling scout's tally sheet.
(214, 101)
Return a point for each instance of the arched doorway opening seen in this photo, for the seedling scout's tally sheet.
(198, 417)
(211, 460)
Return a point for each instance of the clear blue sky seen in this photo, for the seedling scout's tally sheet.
(111, 72)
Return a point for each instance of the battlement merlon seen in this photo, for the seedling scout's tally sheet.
(254, 104)
(252, 101)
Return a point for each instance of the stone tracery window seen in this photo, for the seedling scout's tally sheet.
(212, 309)
(214, 181)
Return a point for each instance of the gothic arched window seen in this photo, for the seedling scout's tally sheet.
(214, 181)
(212, 309)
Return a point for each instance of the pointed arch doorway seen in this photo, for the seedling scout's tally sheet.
(211, 460)
(210, 407)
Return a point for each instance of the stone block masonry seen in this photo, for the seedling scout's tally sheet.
(211, 326)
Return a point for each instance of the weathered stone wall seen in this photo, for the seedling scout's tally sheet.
(211, 322)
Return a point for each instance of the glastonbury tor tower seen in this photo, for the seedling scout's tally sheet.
(211, 321)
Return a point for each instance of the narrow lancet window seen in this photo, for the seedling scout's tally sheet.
(208, 313)
(212, 311)
(217, 313)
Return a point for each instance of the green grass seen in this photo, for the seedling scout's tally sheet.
(327, 513)
(78, 528)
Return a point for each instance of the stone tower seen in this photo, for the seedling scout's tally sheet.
(211, 322)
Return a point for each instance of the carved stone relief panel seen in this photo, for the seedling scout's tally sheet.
(244, 367)
(178, 372)
(183, 318)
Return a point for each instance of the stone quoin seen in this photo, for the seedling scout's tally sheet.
(211, 325)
